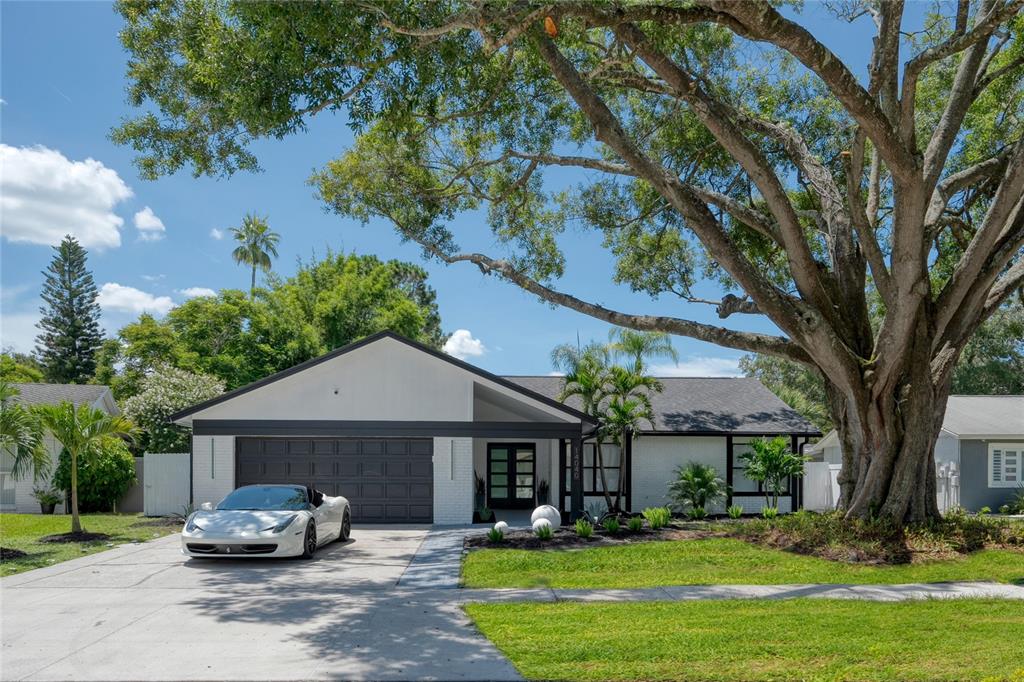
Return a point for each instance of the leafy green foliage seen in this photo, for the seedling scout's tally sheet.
(696, 486)
(992, 363)
(771, 463)
(495, 536)
(47, 496)
(635, 524)
(70, 328)
(696, 513)
(21, 436)
(734, 511)
(611, 525)
(18, 368)
(238, 339)
(163, 392)
(257, 244)
(543, 532)
(657, 517)
(105, 473)
(584, 528)
(770, 512)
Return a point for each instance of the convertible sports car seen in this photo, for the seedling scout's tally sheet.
(267, 520)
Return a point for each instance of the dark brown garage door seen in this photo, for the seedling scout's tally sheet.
(386, 480)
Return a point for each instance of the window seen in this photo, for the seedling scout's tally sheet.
(592, 472)
(1005, 465)
(6, 482)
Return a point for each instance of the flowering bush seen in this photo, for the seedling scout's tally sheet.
(165, 391)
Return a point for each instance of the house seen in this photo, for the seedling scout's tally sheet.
(16, 495)
(979, 454)
(408, 433)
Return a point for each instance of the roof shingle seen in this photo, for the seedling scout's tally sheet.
(53, 394)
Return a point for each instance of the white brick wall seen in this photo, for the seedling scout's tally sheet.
(213, 468)
(453, 481)
(656, 458)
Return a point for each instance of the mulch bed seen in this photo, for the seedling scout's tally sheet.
(7, 554)
(84, 536)
(566, 538)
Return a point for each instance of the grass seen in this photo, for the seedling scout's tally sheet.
(23, 531)
(801, 639)
(714, 561)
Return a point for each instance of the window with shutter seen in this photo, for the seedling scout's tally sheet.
(1005, 465)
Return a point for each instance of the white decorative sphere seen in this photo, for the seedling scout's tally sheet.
(540, 523)
(501, 526)
(546, 511)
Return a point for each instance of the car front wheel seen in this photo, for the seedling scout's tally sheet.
(309, 541)
(346, 526)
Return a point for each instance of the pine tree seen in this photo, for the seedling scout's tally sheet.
(70, 326)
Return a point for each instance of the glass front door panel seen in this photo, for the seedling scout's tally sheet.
(511, 472)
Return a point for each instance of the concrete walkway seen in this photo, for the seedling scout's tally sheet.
(886, 593)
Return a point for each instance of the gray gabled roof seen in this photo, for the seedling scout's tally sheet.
(53, 394)
(704, 405)
(985, 416)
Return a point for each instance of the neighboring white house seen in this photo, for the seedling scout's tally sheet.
(979, 454)
(407, 433)
(16, 495)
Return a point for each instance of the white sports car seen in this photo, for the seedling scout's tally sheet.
(266, 520)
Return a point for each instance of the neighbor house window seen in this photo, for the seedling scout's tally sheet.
(6, 481)
(1005, 465)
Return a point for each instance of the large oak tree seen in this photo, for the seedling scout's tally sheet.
(720, 140)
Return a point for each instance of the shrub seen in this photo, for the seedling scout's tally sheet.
(696, 485)
(47, 496)
(770, 512)
(165, 391)
(771, 463)
(584, 528)
(611, 525)
(735, 511)
(1005, 509)
(494, 536)
(104, 475)
(697, 513)
(544, 532)
(984, 510)
(636, 524)
(657, 517)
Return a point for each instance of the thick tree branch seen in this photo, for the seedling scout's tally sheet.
(968, 177)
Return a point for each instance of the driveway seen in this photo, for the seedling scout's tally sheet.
(366, 609)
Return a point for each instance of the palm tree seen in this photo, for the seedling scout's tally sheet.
(21, 436)
(640, 346)
(256, 244)
(696, 486)
(629, 406)
(771, 463)
(81, 430)
(586, 375)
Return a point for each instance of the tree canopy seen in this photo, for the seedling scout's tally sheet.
(723, 143)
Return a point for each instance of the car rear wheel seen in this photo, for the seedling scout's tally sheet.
(309, 541)
(346, 526)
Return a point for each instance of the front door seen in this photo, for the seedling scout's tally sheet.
(511, 471)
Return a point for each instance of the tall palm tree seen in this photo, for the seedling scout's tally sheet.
(256, 244)
(81, 430)
(639, 346)
(628, 408)
(21, 436)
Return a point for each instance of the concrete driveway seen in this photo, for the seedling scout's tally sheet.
(144, 612)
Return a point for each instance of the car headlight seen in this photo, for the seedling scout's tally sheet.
(280, 528)
(191, 526)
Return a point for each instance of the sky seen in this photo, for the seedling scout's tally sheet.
(153, 244)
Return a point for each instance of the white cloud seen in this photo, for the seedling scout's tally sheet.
(193, 292)
(217, 234)
(150, 227)
(153, 278)
(18, 331)
(462, 345)
(44, 196)
(699, 366)
(114, 296)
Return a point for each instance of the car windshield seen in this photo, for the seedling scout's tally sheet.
(265, 497)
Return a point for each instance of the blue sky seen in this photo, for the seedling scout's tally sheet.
(152, 244)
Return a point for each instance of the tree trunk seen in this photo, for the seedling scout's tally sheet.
(888, 440)
(604, 479)
(252, 286)
(76, 523)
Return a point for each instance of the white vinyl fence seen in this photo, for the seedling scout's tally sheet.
(947, 486)
(821, 486)
(166, 476)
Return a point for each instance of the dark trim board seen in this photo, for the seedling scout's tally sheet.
(382, 429)
(582, 416)
(740, 434)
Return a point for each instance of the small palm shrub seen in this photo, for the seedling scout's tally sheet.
(544, 532)
(494, 536)
(697, 513)
(636, 524)
(584, 528)
(735, 511)
(770, 512)
(611, 525)
(696, 485)
(657, 517)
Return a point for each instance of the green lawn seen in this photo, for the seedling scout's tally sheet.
(801, 639)
(718, 560)
(22, 531)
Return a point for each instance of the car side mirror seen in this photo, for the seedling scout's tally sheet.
(206, 506)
